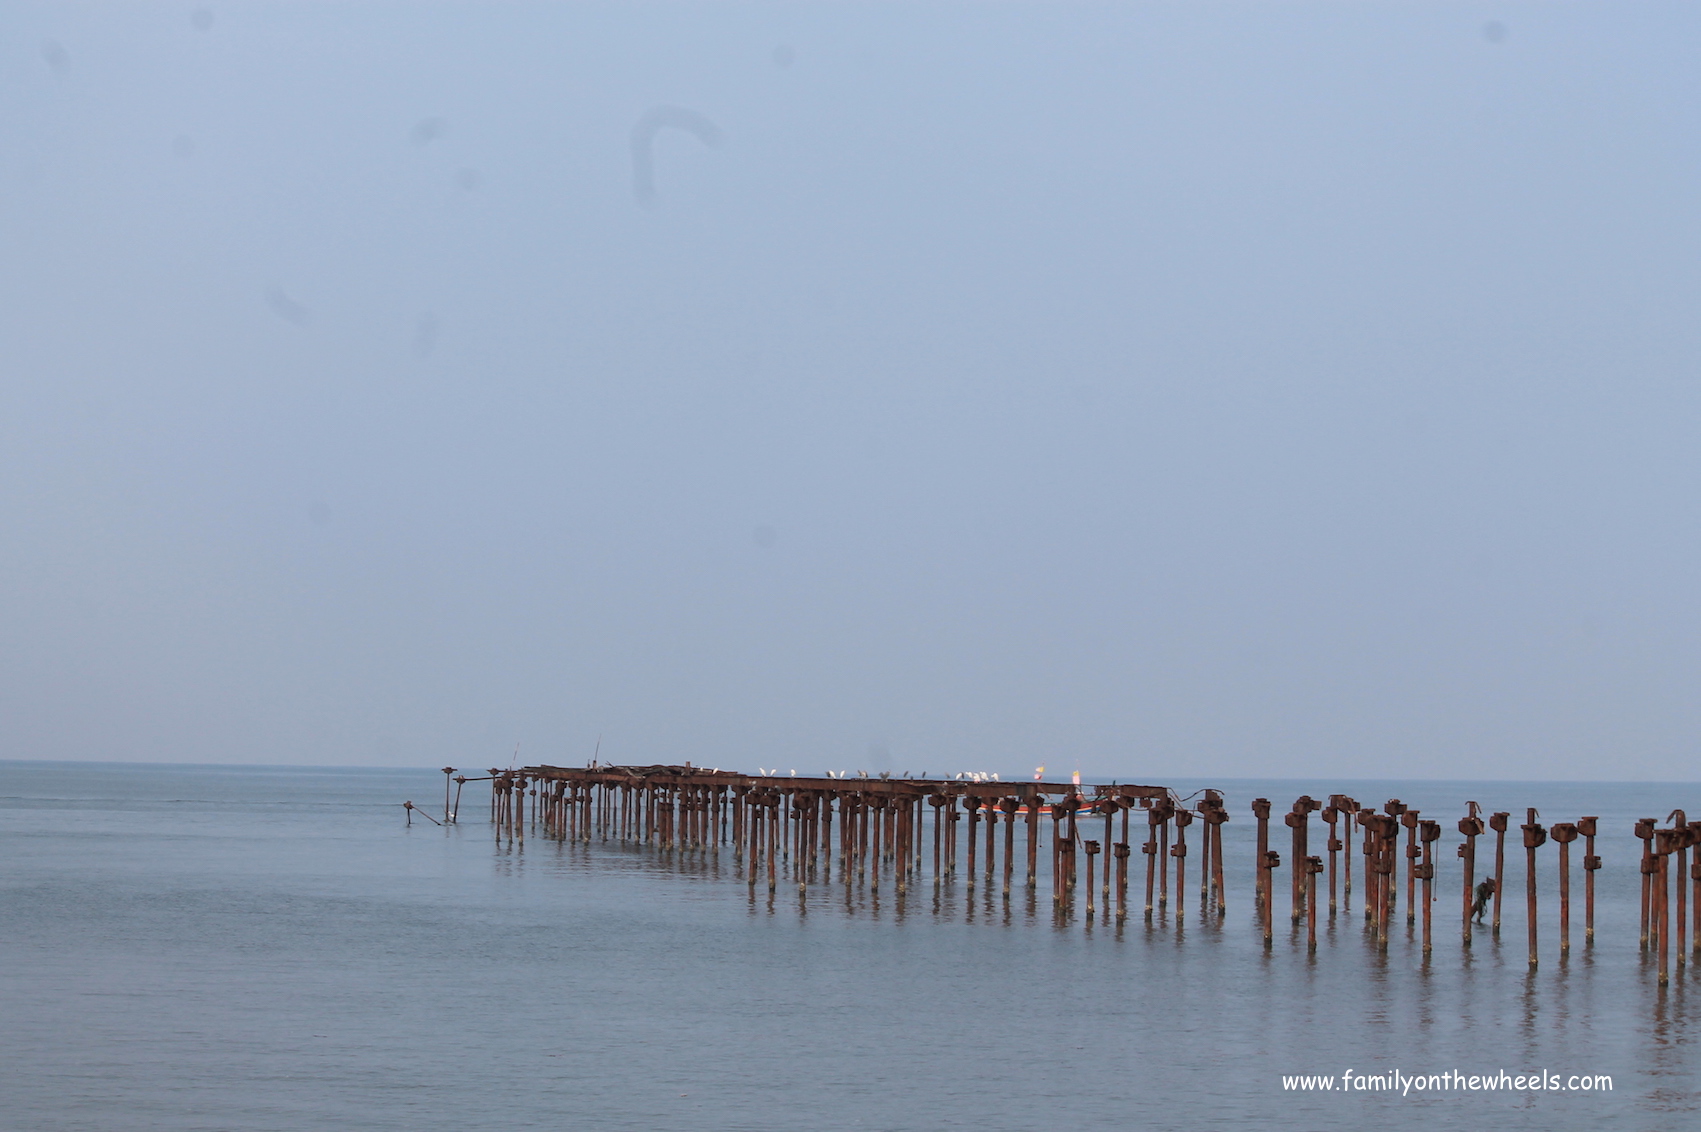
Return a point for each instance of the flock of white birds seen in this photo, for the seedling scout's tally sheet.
(961, 776)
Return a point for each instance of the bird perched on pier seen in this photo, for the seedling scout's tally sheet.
(1485, 892)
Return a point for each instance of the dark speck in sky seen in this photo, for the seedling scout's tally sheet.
(428, 130)
(1494, 31)
(287, 308)
(644, 133)
(54, 52)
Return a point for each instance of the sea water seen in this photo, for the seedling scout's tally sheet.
(196, 947)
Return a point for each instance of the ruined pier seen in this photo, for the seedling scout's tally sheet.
(1074, 842)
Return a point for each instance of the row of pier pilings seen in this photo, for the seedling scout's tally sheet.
(877, 831)
(895, 831)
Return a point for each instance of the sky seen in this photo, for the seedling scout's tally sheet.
(1145, 390)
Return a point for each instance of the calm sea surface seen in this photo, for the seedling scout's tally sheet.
(234, 948)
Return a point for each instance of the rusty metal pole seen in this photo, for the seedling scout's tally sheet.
(1695, 882)
(1563, 834)
(1108, 807)
(936, 800)
(1163, 851)
(1375, 866)
(876, 846)
(1534, 836)
(1429, 833)
(1056, 853)
(1396, 810)
(1150, 849)
(1591, 864)
(1033, 839)
(1295, 820)
(1066, 868)
(1092, 851)
(1074, 804)
(1348, 808)
(1313, 866)
(1349, 812)
(1661, 903)
(775, 832)
(1009, 806)
(1680, 871)
(1271, 860)
(1183, 819)
(1471, 826)
(1219, 817)
(1299, 820)
(1645, 831)
(1375, 901)
(1367, 827)
(1662, 862)
(1205, 856)
(1122, 852)
(1498, 823)
(1261, 883)
(1331, 815)
(752, 825)
(1409, 819)
(973, 805)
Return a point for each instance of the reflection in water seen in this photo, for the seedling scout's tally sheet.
(642, 974)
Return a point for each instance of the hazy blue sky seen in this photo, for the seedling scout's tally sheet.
(1154, 390)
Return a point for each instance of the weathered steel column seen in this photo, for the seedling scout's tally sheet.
(1122, 852)
(1313, 866)
(1409, 819)
(1331, 815)
(1348, 808)
(1429, 833)
(1108, 807)
(1092, 851)
(1215, 818)
(1163, 854)
(1591, 864)
(1261, 881)
(1498, 822)
(1680, 872)
(1695, 881)
(1150, 849)
(1563, 834)
(1645, 831)
(1299, 820)
(1009, 806)
(1534, 837)
(972, 803)
(936, 801)
(1270, 861)
(1183, 819)
(1033, 802)
(1471, 826)
(1661, 854)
